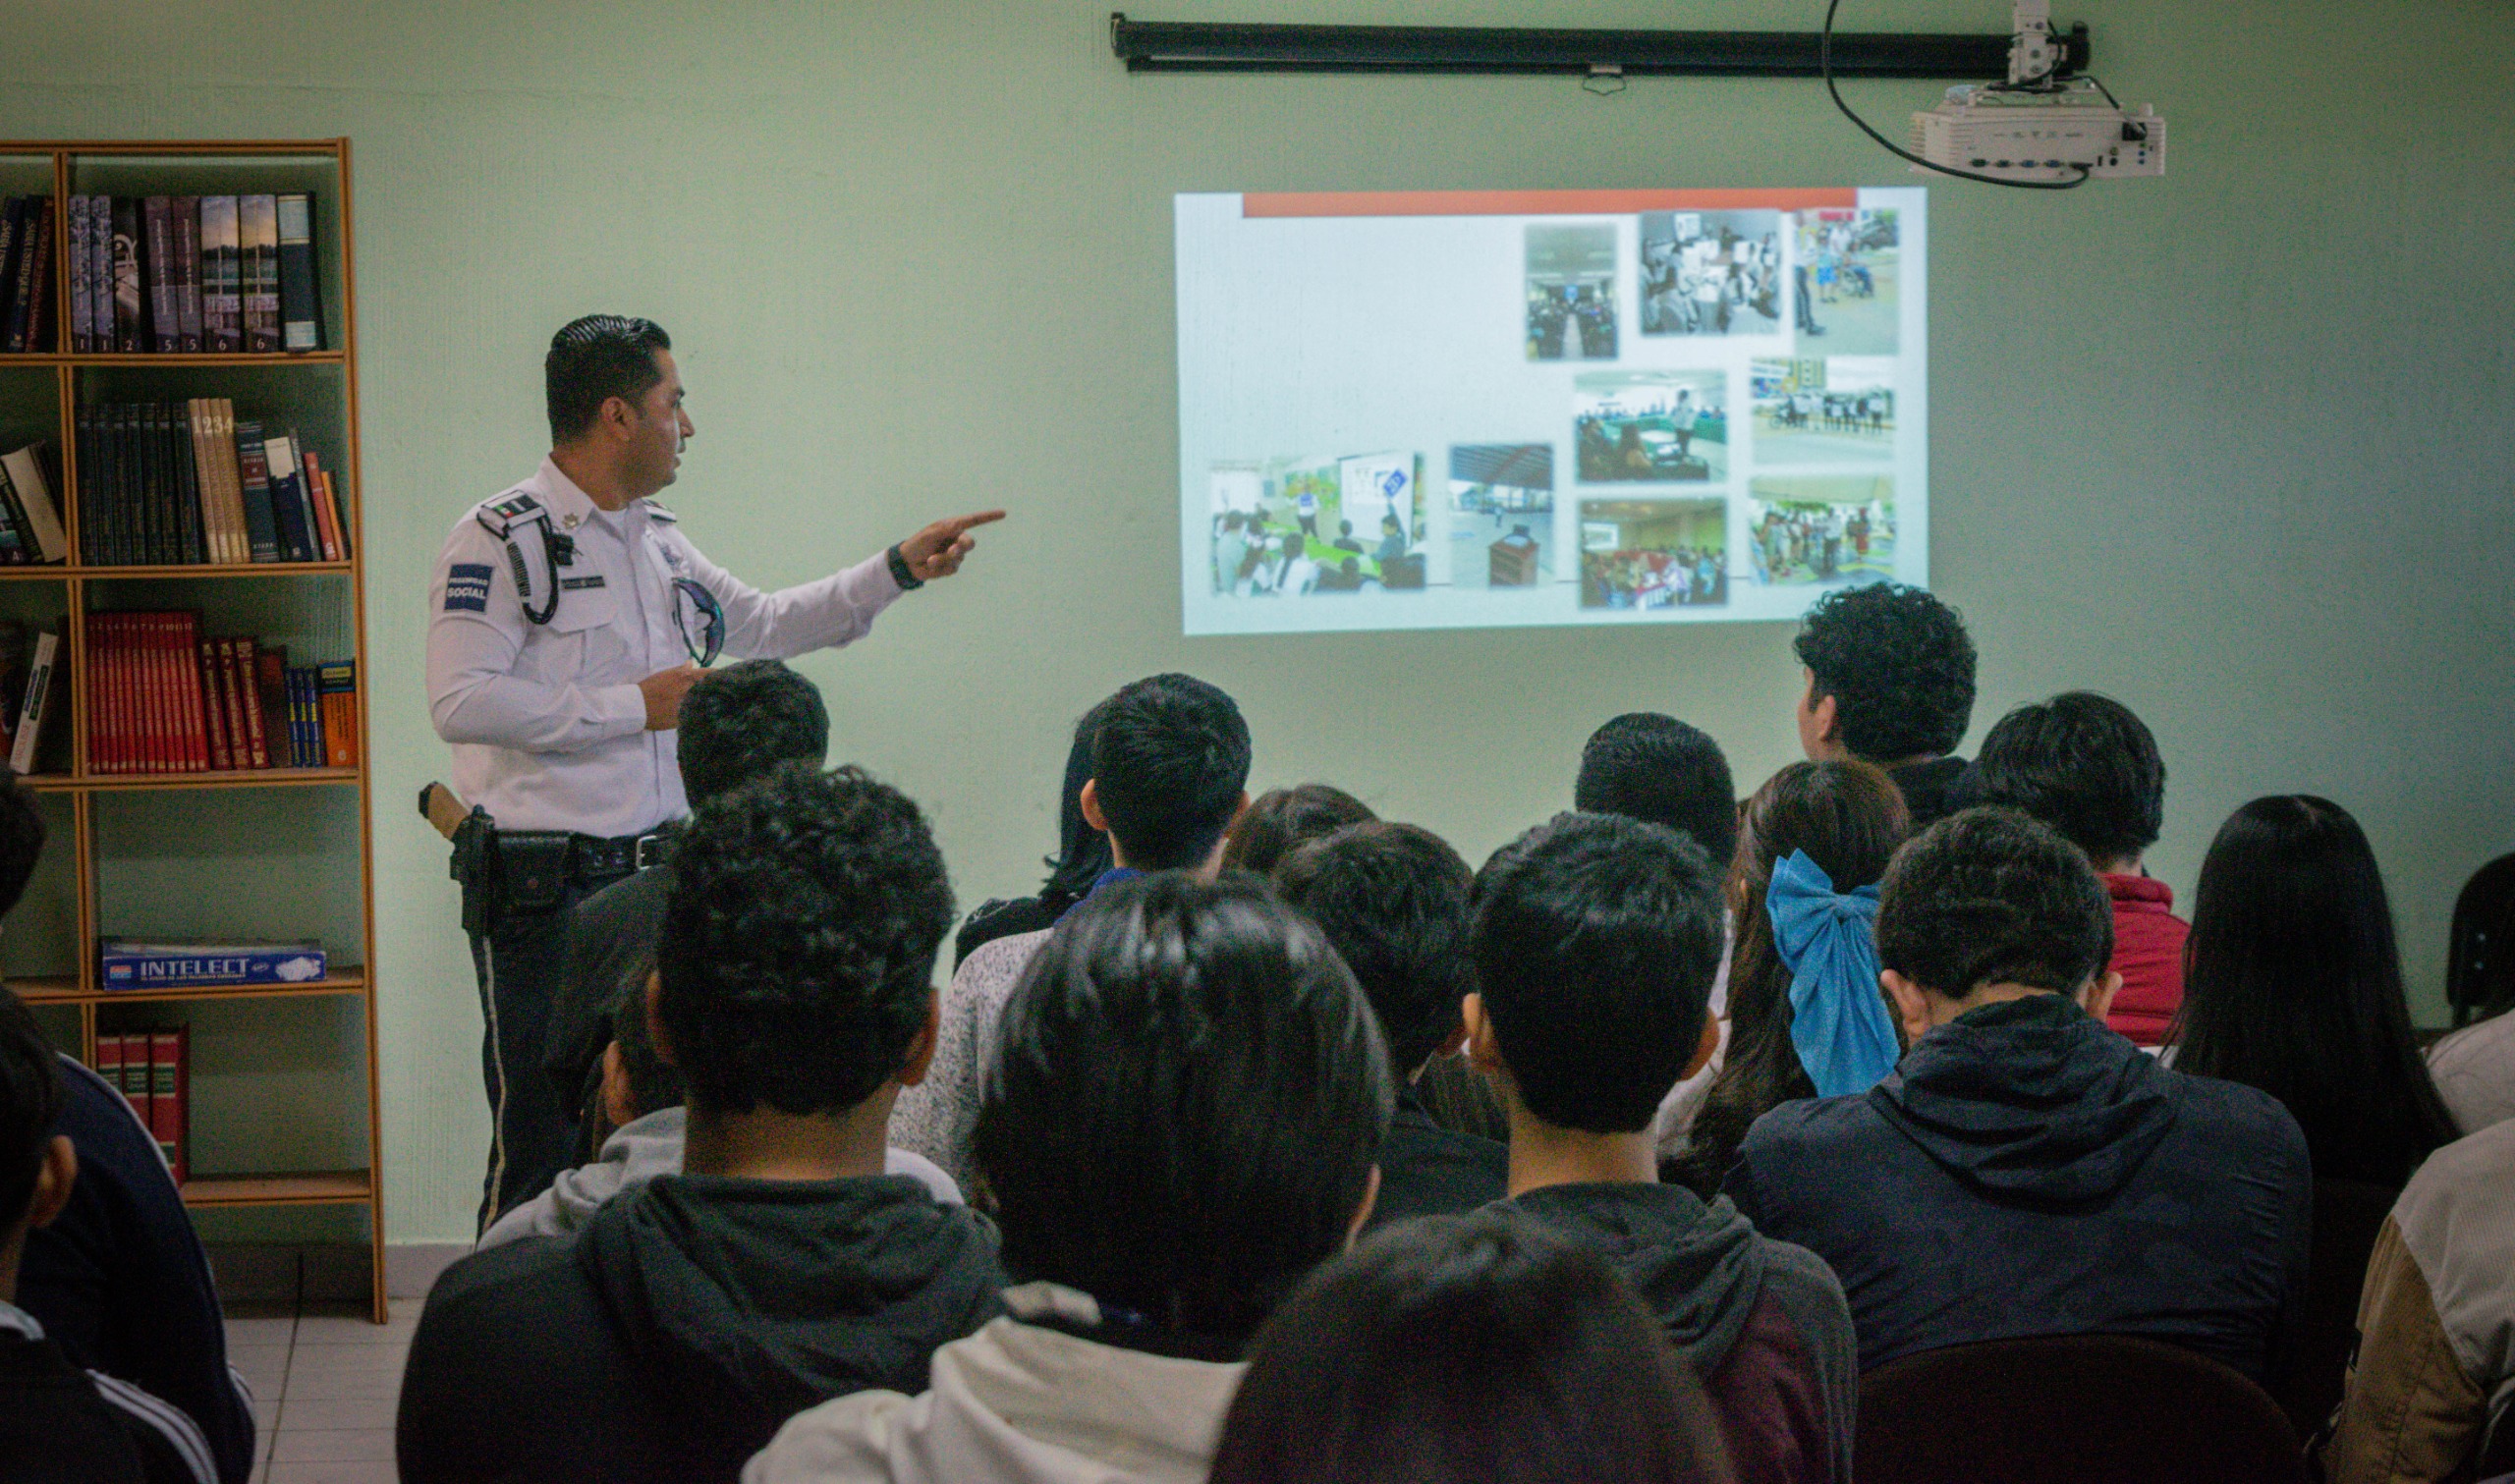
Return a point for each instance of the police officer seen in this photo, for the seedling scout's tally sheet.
(568, 617)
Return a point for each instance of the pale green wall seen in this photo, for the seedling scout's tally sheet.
(2231, 446)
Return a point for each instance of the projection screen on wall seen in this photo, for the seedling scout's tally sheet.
(1448, 410)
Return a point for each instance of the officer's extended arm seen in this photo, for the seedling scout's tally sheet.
(838, 609)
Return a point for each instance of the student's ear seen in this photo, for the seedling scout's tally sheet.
(619, 1103)
(1090, 799)
(1483, 1052)
(1912, 1006)
(921, 1051)
(1362, 1212)
(1704, 1045)
(2095, 996)
(54, 1180)
(1451, 1043)
(656, 1036)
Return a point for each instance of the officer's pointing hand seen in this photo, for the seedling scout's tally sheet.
(939, 550)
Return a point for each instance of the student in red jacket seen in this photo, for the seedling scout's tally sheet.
(2083, 764)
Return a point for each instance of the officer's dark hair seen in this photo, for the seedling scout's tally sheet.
(1899, 666)
(1280, 819)
(2081, 763)
(1990, 896)
(740, 722)
(1645, 765)
(594, 359)
(653, 1084)
(797, 945)
(1168, 766)
(1392, 900)
(29, 1102)
(1595, 939)
(22, 837)
(1482, 1348)
(1184, 1104)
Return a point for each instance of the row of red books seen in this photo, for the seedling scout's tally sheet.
(162, 698)
(153, 1072)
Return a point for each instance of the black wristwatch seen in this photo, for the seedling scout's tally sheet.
(900, 573)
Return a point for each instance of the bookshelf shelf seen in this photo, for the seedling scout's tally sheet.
(160, 852)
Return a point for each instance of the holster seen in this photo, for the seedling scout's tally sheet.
(507, 873)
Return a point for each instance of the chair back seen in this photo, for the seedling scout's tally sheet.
(2348, 1214)
(2069, 1410)
(2479, 948)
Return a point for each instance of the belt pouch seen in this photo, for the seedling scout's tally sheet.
(532, 866)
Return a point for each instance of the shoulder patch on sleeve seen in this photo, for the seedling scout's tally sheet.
(467, 588)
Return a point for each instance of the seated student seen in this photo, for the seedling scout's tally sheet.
(60, 1424)
(117, 1278)
(2436, 1363)
(1392, 900)
(1082, 858)
(1279, 819)
(2292, 984)
(1889, 681)
(2474, 1070)
(1169, 773)
(1812, 846)
(1467, 1349)
(2026, 1171)
(641, 1102)
(1178, 1124)
(2085, 765)
(736, 724)
(693, 1315)
(1594, 941)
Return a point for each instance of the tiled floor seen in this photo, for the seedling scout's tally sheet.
(325, 1382)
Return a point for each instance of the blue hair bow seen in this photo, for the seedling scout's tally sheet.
(1839, 1014)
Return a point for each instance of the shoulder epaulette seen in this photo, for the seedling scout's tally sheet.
(657, 512)
(504, 514)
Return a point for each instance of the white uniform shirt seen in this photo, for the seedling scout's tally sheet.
(547, 724)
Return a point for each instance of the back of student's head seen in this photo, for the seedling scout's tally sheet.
(1185, 1101)
(1392, 900)
(1168, 765)
(22, 837)
(1467, 1349)
(1595, 940)
(1899, 666)
(1848, 817)
(29, 1102)
(1649, 766)
(741, 722)
(1280, 819)
(2292, 984)
(798, 947)
(653, 1082)
(2081, 763)
(1990, 896)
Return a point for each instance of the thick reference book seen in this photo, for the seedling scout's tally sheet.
(158, 273)
(170, 1096)
(258, 235)
(254, 470)
(287, 499)
(130, 320)
(182, 963)
(27, 736)
(222, 311)
(83, 273)
(336, 685)
(186, 212)
(300, 299)
(31, 481)
(100, 271)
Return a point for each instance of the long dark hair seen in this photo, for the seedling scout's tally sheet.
(1849, 817)
(2292, 984)
(1082, 852)
(1467, 1349)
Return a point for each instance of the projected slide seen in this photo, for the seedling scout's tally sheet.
(1447, 410)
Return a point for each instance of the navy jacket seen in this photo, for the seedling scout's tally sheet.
(1426, 1170)
(2025, 1171)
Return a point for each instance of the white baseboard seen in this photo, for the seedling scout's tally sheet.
(411, 1268)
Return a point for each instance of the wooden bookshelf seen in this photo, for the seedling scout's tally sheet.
(320, 386)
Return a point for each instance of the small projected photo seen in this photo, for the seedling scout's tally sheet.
(1805, 529)
(1654, 553)
(1298, 528)
(1838, 410)
(1651, 427)
(1712, 273)
(1571, 292)
(1849, 288)
(1501, 515)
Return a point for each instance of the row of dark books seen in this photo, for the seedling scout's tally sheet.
(164, 699)
(174, 483)
(152, 1070)
(25, 273)
(194, 273)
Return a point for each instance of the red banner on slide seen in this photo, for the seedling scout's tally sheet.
(1537, 202)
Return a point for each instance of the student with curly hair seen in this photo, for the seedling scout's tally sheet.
(692, 1316)
(1889, 679)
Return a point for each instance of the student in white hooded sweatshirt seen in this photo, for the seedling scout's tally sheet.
(1179, 1123)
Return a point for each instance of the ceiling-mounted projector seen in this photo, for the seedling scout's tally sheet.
(2041, 125)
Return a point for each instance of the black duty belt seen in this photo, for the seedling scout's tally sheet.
(590, 856)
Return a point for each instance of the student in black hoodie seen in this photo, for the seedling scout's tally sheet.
(2024, 1170)
(1889, 679)
(1392, 901)
(692, 1317)
(1595, 938)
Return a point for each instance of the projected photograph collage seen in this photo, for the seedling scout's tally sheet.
(1629, 406)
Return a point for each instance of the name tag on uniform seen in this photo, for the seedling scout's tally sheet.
(572, 584)
(467, 588)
